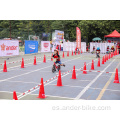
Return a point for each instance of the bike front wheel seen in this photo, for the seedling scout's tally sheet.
(53, 69)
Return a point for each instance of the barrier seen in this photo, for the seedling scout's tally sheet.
(31, 46)
(9, 47)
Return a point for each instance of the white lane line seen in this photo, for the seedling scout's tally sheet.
(26, 65)
(18, 61)
(33, 71)
(45, 85)
(23, 74)
(9, 91)
(38, 87)
(4, 99)
(88, 86)
(54, 96)
(70, 86)
(24, 82)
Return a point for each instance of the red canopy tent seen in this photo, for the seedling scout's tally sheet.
(114, 34)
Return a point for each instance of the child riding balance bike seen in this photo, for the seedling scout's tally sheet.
(56, 60)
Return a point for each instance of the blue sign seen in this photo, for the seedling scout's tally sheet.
(31, 46)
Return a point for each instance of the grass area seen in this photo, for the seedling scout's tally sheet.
(21, 48)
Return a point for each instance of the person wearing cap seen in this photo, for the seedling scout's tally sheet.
(112, 49)
(98, 52)
(108, 49)
(57, 57)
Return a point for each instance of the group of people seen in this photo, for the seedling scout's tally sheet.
(57, 46)
(108, 50)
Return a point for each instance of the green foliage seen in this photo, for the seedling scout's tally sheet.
(89, 28)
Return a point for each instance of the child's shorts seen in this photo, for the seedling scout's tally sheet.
(58, 62)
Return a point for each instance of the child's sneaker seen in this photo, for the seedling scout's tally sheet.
(64, 65)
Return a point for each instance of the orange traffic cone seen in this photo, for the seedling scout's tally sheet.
(103, 60)
(34, 61)
(98, 62)
(5, 67)
(67, 53)
(84, 69)
(114, 53)
(72, 52)
(74, 73)
(41, 90)
(51, 57)
(81, 51)
(117, 52)
(75, 52)
(109, 56)
(44, 59)
(63, 55)
(92, 65)
(116, 80)
(59, 81)
(22, 63)
(15, 95)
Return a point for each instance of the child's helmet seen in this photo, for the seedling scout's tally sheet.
(56, 50)
(98, 48)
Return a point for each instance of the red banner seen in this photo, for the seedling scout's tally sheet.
(78, 38)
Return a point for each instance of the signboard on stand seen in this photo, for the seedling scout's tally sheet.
(9, 47)
(31, 46)
(78, 38)
(45, 46)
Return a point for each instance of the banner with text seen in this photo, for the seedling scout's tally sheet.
(45, 46)
(9, 47)
(78, 38)
(59, 35)
(31, 46)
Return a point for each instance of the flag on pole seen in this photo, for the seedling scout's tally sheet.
(78, 38)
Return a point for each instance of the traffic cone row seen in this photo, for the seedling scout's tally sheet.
(35, 63)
